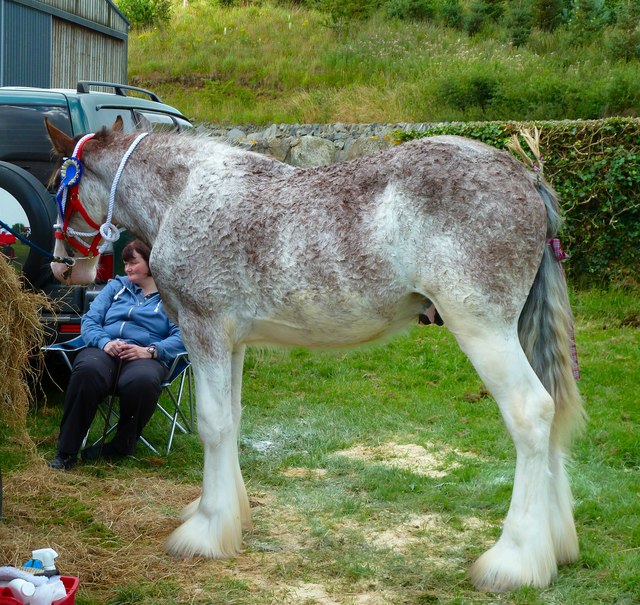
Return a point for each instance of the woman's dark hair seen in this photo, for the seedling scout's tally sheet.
(136, 246)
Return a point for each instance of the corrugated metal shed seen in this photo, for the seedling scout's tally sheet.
(55, 43)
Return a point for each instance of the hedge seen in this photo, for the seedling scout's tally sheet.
(594, 165)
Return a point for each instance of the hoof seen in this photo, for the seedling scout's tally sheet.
(506, 568)
(204, 537)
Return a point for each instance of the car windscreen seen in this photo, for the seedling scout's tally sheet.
(24, 140)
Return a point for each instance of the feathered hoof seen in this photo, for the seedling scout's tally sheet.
(204, 537)
(504, 568)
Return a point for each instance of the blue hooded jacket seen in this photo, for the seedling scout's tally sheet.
(122, 312)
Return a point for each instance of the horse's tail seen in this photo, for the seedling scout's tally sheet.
(545, 329)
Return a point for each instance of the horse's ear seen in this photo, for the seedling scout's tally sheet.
(62, 143)
(118, 125)
(142, 123)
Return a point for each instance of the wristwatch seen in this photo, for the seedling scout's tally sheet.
(153, 351)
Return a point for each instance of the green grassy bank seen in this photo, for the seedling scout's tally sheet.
(262, 63)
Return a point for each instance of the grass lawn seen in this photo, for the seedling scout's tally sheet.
(375, 476)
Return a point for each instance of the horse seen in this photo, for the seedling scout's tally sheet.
(247, 250)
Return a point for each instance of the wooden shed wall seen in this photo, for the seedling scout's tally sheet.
(82, 54)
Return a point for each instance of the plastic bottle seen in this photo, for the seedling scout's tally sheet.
(28, 594)
(21, 589)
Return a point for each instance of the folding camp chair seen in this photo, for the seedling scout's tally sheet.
(179, 378)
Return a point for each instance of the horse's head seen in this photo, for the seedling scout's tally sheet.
(85, 180)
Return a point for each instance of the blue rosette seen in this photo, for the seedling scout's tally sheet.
(70, 173)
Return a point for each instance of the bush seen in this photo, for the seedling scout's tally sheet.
(450, 13)
(146, 13)
(595, 168)
(467, 91)
(519, 22)
(341, 11)
(588, 19)
(547, 14)
(477, 17)
(622, 94)
(623, 41)
(410, 9)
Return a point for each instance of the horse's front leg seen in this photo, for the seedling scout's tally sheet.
(237, 364)
(214, 524)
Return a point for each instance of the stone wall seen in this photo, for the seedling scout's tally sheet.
(312, 144)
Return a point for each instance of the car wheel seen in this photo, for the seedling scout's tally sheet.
(22, 197)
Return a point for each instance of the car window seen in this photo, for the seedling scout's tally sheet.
(160, 121)
(24, 140)
(107, 116)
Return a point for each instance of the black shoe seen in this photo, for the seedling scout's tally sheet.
(101, 452)
(63, 462)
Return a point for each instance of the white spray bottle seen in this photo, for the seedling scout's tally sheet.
(42, 562)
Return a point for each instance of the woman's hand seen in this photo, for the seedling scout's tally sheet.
(114, 348)
(130, 352)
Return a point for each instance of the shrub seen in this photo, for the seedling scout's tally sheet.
(622, 94)
(519, 22)
(477, 17)
(410, 9)
(146, 13)
(623, 45)
(340, 11)
(623, 41)
(449, 12)
(595, 168)
(589, 18)
(547, 14)
(466, 91)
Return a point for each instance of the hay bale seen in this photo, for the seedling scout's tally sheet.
(21, 336)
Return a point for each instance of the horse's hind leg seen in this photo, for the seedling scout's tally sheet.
(524, 553)
(563, 529)
(237, 365)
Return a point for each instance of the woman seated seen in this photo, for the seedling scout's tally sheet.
(130, 345)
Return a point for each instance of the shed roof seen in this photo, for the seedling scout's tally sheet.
(101, 15)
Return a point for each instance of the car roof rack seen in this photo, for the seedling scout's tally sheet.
(119, 89)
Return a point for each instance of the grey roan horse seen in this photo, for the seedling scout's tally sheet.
(249, 251)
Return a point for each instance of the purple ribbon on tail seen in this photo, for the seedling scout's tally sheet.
(560, 255)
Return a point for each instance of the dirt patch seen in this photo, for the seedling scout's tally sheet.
(433, 463)
(405, 534)
(304, 473)
(631, 321)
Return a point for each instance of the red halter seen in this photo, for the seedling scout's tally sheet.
(71, 172)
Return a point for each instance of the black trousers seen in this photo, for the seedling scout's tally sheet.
(94, 373)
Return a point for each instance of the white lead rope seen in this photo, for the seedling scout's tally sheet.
(108, 230)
